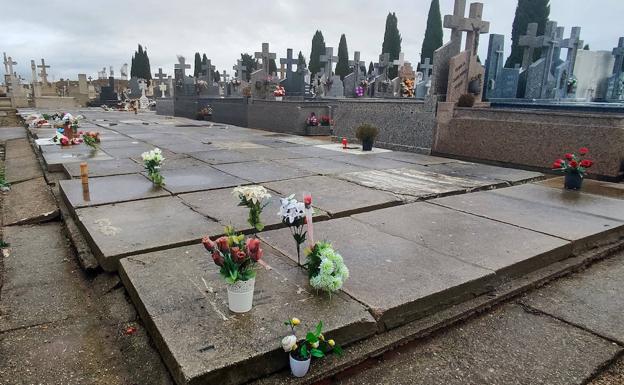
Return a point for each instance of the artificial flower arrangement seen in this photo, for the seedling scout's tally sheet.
(152, 161)
(91, 138)
(326, 120)
(575, 167)
(359, 91)
(312, 120)
(279, 91)
(237, 258)
(364, 83)
(293, 214)
(300, 352)
(326, 268)
(235, 82)
(407, 88)
(255, 198)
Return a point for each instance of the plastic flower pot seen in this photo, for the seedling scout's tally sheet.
(299, 368)
(367, 145)
(573, 181)
(278, 98)
(240, 295)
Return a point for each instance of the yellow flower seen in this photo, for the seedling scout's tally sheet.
(295, 321)
(331, 343)
(315, 345)
(322, 337)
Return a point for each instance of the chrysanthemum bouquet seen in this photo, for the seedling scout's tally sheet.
(255, 198)
(152, 161)
(293, 214)
(326, 269)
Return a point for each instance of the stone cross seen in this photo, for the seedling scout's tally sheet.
(573, 44)
(288, 61)
(208, 70)
(160, 75)
(329, 60)
(163, 88)
(225, 76)
(282, 70)
(182, 66)
(33, 68)
(240, 70)
(618, 52)
(425, 68)
(356, 64)
(266, 57)
(6, 64)
(400, 62)
(103, 72)
(384, 63)
(456, 22)
(550, 41)
(477, 27)
(529, 41)
(43, 73)
(559, 38)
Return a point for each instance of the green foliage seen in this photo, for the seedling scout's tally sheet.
(204, 61)
(301, 62)
(586, 48)
(371, 68)
(392, 42)
(198, 64)
(433, 33)
(3, 244)
(318, 49)
(250, 63)
(527, 11)
(366, 132)
(272, 67)
(342, 68)
(140, 67)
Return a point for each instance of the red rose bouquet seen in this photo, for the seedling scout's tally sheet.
(235, 255)
(573, 163)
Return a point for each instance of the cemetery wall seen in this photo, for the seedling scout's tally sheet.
(186, 106)
(405, 125)
(532, 138)
(286, 116)
(55, 102)
(228, 111)
(164, 106)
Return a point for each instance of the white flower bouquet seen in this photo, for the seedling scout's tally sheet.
(253, 197)
(152, 161)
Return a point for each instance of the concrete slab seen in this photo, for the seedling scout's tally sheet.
(312, 152)
(129, 151)
(397, 279)
(593, 299)
(55, 160)
(413, 182)
(508, 250)
(570, 200)
(590, 186)
(121, 166)
(109, 189)
(334, 196)
(584, 230)
(414, 158)
(119, 230)
(262, 171)
(8, 133)
(22, 168)
(222, 156)
(485, 172)
(352, 149)
(183, 303)
(269, 153)
(190, 179)
(321, 166)
(238, 145)
(39, 207)
(497, 348)
(374, 162)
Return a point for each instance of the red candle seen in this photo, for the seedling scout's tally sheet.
(344, 143)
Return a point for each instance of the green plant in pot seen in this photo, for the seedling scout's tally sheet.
(366, 134)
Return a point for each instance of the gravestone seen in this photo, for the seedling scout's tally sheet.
(540, 80)
(239, 82)
(331, 84)
(161, 86)
(294, 82)
(500, 82)
(184, 85)
(408, 78)
(83, 86)
(464, 73)
(592, 71)
(108, 95)
(262, 81)
(353, 80)
(143, 100)
(615, 84)
(382, 83)
(573, 44)
(135, 89)
(206, 85)
(46, 87)
(424, 83)
(36, 86)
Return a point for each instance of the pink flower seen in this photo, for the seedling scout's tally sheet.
(217, 258)
(253, 249)
(208, 243)
(238, 255)
(223, 244)
(307, 200)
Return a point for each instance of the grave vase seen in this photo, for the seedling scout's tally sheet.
(367, 144)
(240, 295)
(573, 181)
(279, 98)
(299, 368)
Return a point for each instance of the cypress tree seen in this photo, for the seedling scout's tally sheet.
(204, 62)
(371, 68)
(586, 48)
(342, 68)
(197, 67)
(527, 11)
(217, 76)
(250, 64)
(318, 49)
(301, 62)
(140, 64)
(392, 42)
(433, 33)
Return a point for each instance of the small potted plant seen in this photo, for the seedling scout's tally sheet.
(300, 352)
(575, 167)
(279, 93)
(325, 120)
(312, 120)
(152, 161)
(237, 257)
(326, 268)
(366, 134)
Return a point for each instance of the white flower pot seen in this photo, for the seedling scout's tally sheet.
(278, 98)
(240, 295)
(299, 368)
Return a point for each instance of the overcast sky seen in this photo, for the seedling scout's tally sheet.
(83, 36)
